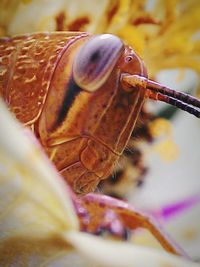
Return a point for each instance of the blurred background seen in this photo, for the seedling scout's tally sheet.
(159, 171)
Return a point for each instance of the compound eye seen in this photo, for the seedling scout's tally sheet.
(95, 61)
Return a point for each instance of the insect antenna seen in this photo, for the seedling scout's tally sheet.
(165, 94)
(187, 99)
(173, 101)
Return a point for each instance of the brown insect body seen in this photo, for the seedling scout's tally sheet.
(81, 95)
(83, 132)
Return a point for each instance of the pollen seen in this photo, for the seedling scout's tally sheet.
(167, 150)
(160, 127)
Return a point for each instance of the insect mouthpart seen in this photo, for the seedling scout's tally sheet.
(87, 187)
(157, 91)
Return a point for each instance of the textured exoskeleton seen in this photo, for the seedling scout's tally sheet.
(81, 95)
(67, 88)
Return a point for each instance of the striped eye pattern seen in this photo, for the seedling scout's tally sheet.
(95, 61)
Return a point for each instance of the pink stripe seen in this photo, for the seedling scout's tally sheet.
(174, 209)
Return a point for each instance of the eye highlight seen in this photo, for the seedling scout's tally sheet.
(95, 61)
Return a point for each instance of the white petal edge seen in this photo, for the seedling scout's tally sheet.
(120, 254)
(16, 144)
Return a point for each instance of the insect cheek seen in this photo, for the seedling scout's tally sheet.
(96, 60)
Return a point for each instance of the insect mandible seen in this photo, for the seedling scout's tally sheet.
(81, 95)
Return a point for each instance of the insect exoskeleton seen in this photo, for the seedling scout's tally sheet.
(68, 88)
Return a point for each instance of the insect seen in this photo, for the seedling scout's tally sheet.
(81, 96)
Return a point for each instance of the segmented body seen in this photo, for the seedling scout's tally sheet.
(27, 65)
(83, 133)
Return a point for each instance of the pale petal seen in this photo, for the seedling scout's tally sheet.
(35, 204)
(108, 253)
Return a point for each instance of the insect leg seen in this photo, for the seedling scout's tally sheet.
(97, 205)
